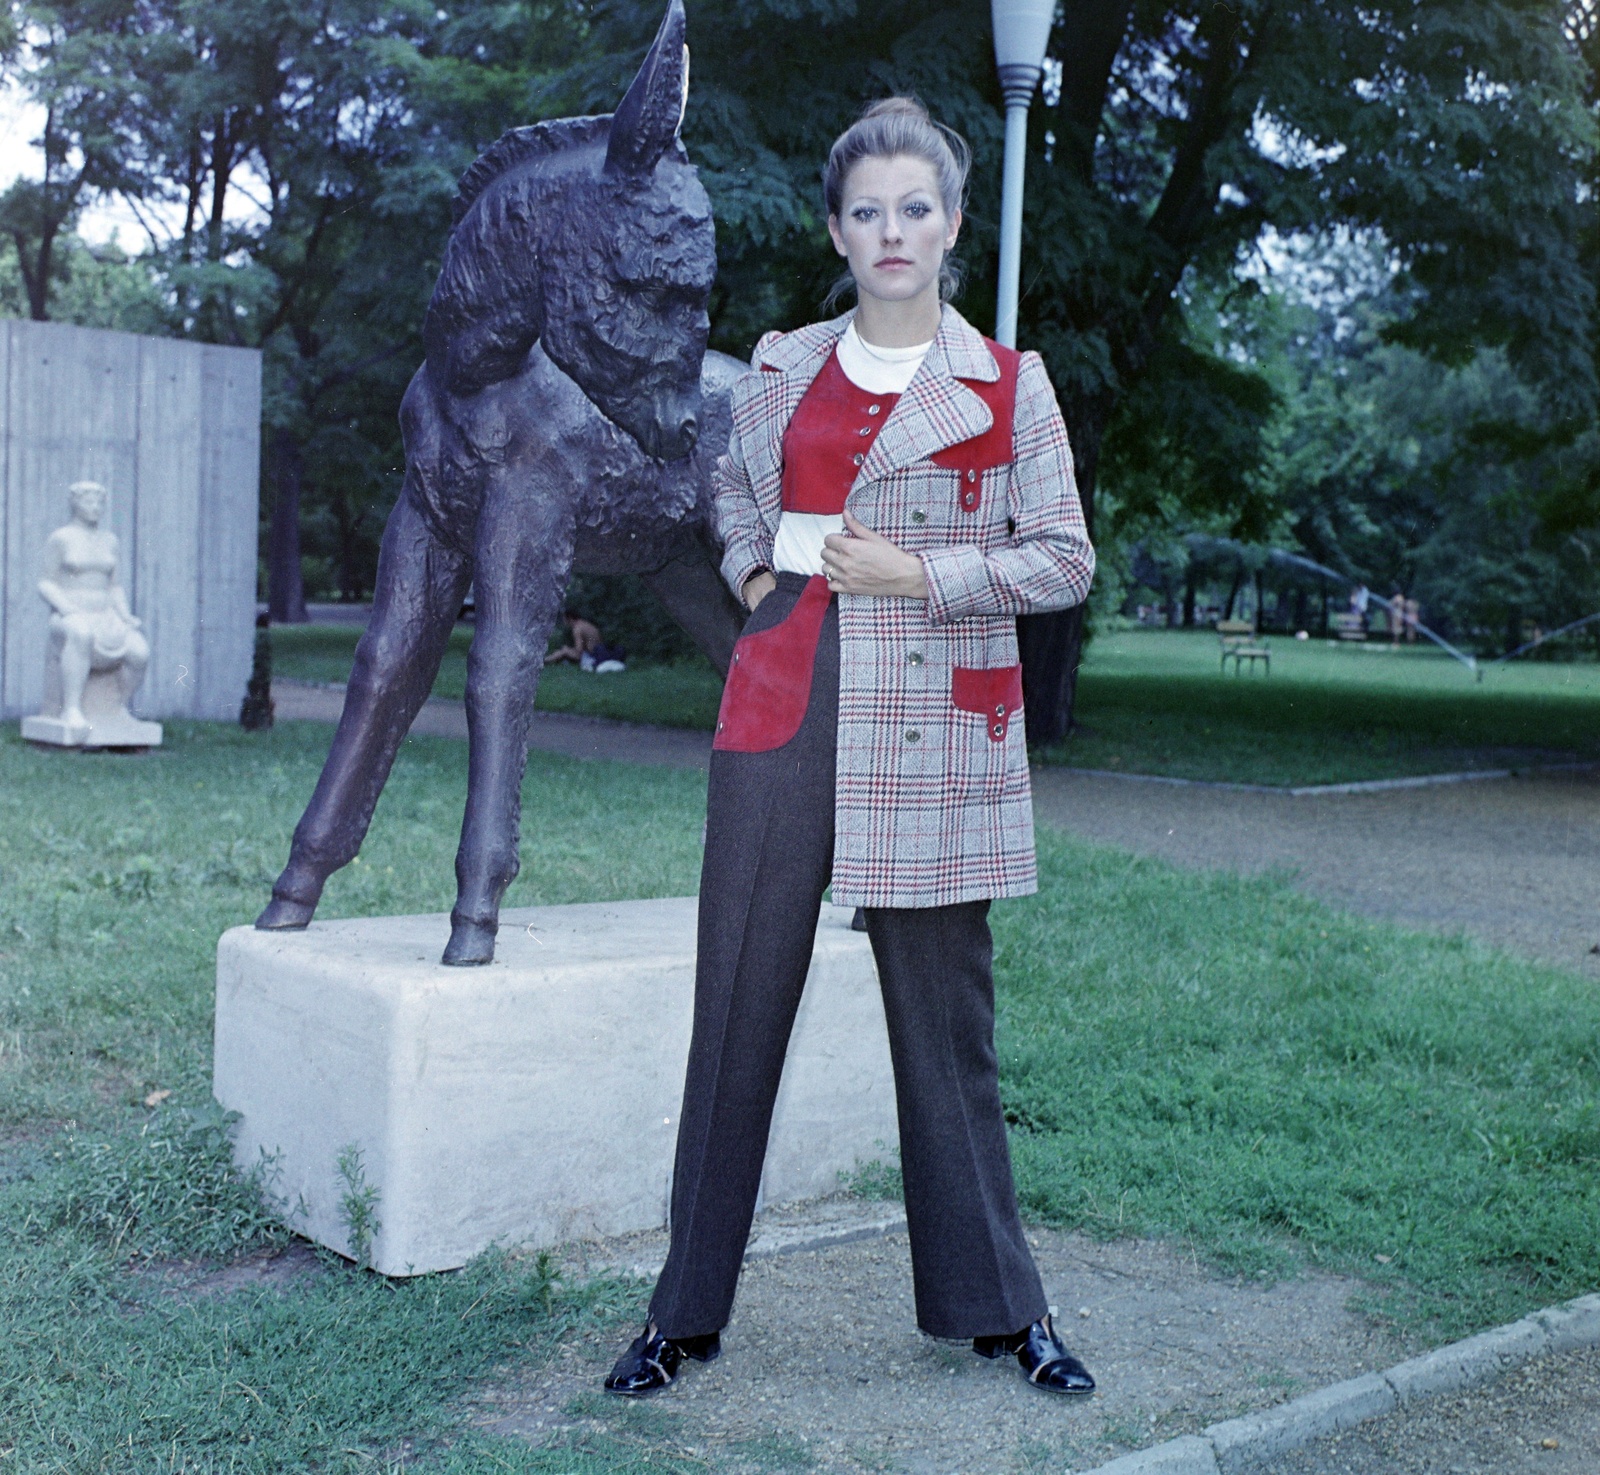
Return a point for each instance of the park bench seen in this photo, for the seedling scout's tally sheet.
(1239, 644)
(1349, 626)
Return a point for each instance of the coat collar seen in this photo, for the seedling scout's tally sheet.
(958, 352)
(937, 410)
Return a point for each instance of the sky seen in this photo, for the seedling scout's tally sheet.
(21, 122)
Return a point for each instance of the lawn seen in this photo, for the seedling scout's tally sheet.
(683, 695)
(1272, 1084)
(1154, 702)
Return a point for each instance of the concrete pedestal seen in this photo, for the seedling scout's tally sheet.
(527, 1103)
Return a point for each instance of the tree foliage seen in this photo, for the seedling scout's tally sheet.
(1170, 142)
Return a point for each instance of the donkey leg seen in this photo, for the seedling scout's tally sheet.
(524, 556)
(695, 595)
(419, 590)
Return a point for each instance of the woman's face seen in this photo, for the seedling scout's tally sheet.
(893, 228)
(89, 503)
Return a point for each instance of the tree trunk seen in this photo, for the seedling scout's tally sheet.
(350, 589)
(1233, 592)
(1051, 645)
(1188, 596)
(286, 597)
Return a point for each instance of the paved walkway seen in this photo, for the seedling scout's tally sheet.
(551, 732)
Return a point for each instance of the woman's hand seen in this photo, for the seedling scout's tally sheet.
(860, 561)
(756, 588)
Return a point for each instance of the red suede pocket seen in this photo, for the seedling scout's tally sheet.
(769, 679)
(994, 694)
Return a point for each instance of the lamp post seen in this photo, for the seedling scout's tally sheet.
(1021, 33)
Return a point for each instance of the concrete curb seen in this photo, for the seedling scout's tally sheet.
(1238, 1444)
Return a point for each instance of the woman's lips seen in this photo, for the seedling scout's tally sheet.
(892, 261)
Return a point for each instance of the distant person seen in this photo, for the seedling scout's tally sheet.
(1413, 617)
(583, 639)
(1397, 617)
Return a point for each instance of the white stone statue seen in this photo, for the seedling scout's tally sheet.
(96, 655)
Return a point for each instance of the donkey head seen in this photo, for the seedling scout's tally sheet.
(628, 267)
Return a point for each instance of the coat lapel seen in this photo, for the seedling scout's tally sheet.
(937, 409)
(787, 368)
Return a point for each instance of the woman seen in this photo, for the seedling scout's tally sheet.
(896, 490)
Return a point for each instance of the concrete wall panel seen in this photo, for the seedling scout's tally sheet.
(171, 429)
(164, 572)
(230, 469)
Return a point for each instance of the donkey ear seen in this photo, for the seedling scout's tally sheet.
(647, 119)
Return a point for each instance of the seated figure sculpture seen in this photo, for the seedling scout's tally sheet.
(96, 653)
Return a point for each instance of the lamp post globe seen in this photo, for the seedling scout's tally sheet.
(1021, 33)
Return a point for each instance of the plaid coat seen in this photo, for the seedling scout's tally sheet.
(933, 804)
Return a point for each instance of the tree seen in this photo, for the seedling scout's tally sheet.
(1456, 130)
(75, 59)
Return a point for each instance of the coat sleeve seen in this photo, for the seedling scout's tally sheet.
(1049, 563)
(746, 539)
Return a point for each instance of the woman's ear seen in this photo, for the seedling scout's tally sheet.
(838, 240)
(955, 229)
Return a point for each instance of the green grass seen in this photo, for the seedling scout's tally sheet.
(1220, 1061)
(1226, 1061)
(683, 695)
(1154, 701)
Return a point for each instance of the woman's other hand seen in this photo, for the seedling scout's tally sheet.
(757, 587)
(860, 561)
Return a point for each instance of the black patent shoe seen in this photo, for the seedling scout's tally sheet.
(1044, 1360)
(652, 1362)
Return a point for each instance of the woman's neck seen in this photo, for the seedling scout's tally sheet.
(898, 324)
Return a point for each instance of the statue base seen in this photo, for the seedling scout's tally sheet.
(116, 730)
(527, 1103)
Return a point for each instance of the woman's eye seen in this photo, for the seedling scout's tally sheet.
(918, 211)
(863, 213)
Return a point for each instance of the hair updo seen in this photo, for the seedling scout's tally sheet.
(893, 126)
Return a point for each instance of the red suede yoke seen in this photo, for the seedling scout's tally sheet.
(971, 458)
(828, 438)
(769, 678)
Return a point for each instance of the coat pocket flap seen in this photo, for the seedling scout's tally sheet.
(994, 694)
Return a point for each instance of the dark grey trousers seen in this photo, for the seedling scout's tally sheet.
(769, 855)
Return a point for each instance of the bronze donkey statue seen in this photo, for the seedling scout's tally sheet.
(567, 416)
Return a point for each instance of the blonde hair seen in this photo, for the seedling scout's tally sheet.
(891, 127)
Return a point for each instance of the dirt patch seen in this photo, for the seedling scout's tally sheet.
(283, 1269)
(823, 1366)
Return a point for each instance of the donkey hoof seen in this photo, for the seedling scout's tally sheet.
(471, 943)
(284, 914)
